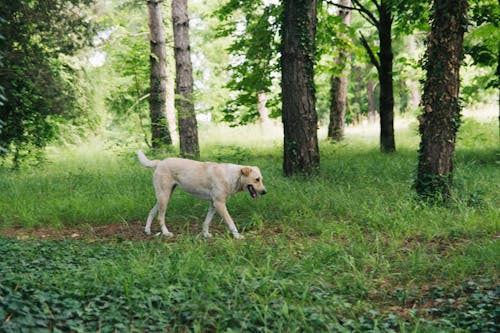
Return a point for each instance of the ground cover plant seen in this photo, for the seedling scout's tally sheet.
(350, 249)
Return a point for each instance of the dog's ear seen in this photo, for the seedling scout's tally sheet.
(246, 171)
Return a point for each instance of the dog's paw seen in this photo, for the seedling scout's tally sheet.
(166, 234)
(238, 236)
(207, 235)
(147, 232)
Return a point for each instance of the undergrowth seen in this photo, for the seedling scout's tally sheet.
(224, 286)
(350, 249)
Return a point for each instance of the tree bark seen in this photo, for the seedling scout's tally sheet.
(188, 128)
(338, 92)
(387, 142)
(160, 134)
(301, 152)
(370, 95)
(441, 115)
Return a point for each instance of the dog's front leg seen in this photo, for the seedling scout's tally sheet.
(222, 210)
(208, 219)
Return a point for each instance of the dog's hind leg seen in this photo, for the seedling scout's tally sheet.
(151, 216)
(208, 219)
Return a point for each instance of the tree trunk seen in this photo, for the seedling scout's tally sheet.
(160, 134)
(188, 128)
(441, 115)
(171, 112)
(387, 142)
(301, 152)
(338, 92)
(370, 96)
(412, 83)
(261, 108)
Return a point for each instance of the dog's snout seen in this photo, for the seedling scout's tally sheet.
(263, 192)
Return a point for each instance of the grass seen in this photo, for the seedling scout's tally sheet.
(347, 250)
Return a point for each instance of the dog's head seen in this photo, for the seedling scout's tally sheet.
(251, 179)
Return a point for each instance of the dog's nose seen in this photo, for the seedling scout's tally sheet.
(263, 192)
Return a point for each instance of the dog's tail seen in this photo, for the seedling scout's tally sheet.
(145, 161)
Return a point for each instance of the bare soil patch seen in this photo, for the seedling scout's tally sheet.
(109, 232)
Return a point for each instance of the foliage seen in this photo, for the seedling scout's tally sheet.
(255, 27)
(125, 75)
(411, 16)
(191, 285)
(131, 64)
(210, 59)
(481, 44)
(41, 84)
(473, 305)
(2, 90)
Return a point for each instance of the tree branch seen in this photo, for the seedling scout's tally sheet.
(362, 10)
(373, 58)
(368, 15)
(137, 102)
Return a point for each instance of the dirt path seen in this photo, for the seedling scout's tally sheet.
(109, 232)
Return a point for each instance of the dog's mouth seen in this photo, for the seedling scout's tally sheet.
(252, 191)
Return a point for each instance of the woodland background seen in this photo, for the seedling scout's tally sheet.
(346, 247)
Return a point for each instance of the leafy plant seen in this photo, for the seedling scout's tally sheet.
(41, 85)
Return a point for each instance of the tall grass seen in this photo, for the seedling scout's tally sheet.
(348, 249)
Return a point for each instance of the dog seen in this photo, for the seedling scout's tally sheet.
(204, 180)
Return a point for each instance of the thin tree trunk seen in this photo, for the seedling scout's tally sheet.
(412, 83)
(171, 112)
(370, 95)
(441, 115)
(384, 68)
(261, 108)
(301, 152)
(338, 92)
(160, 134)
(387, 142)
(188, 128)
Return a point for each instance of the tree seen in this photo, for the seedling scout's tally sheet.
(255, 53)
(188, 128)
(42, 89)
(339, 84)
(301, 152)
(384, 68)
(440, 119)
(125, 38)
(160, 134)
(381, 17)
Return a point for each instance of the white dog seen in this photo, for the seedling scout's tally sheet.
(205, 180)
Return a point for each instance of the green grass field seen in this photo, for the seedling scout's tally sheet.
(350, 249)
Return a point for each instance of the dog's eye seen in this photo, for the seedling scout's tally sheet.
(257, 180)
